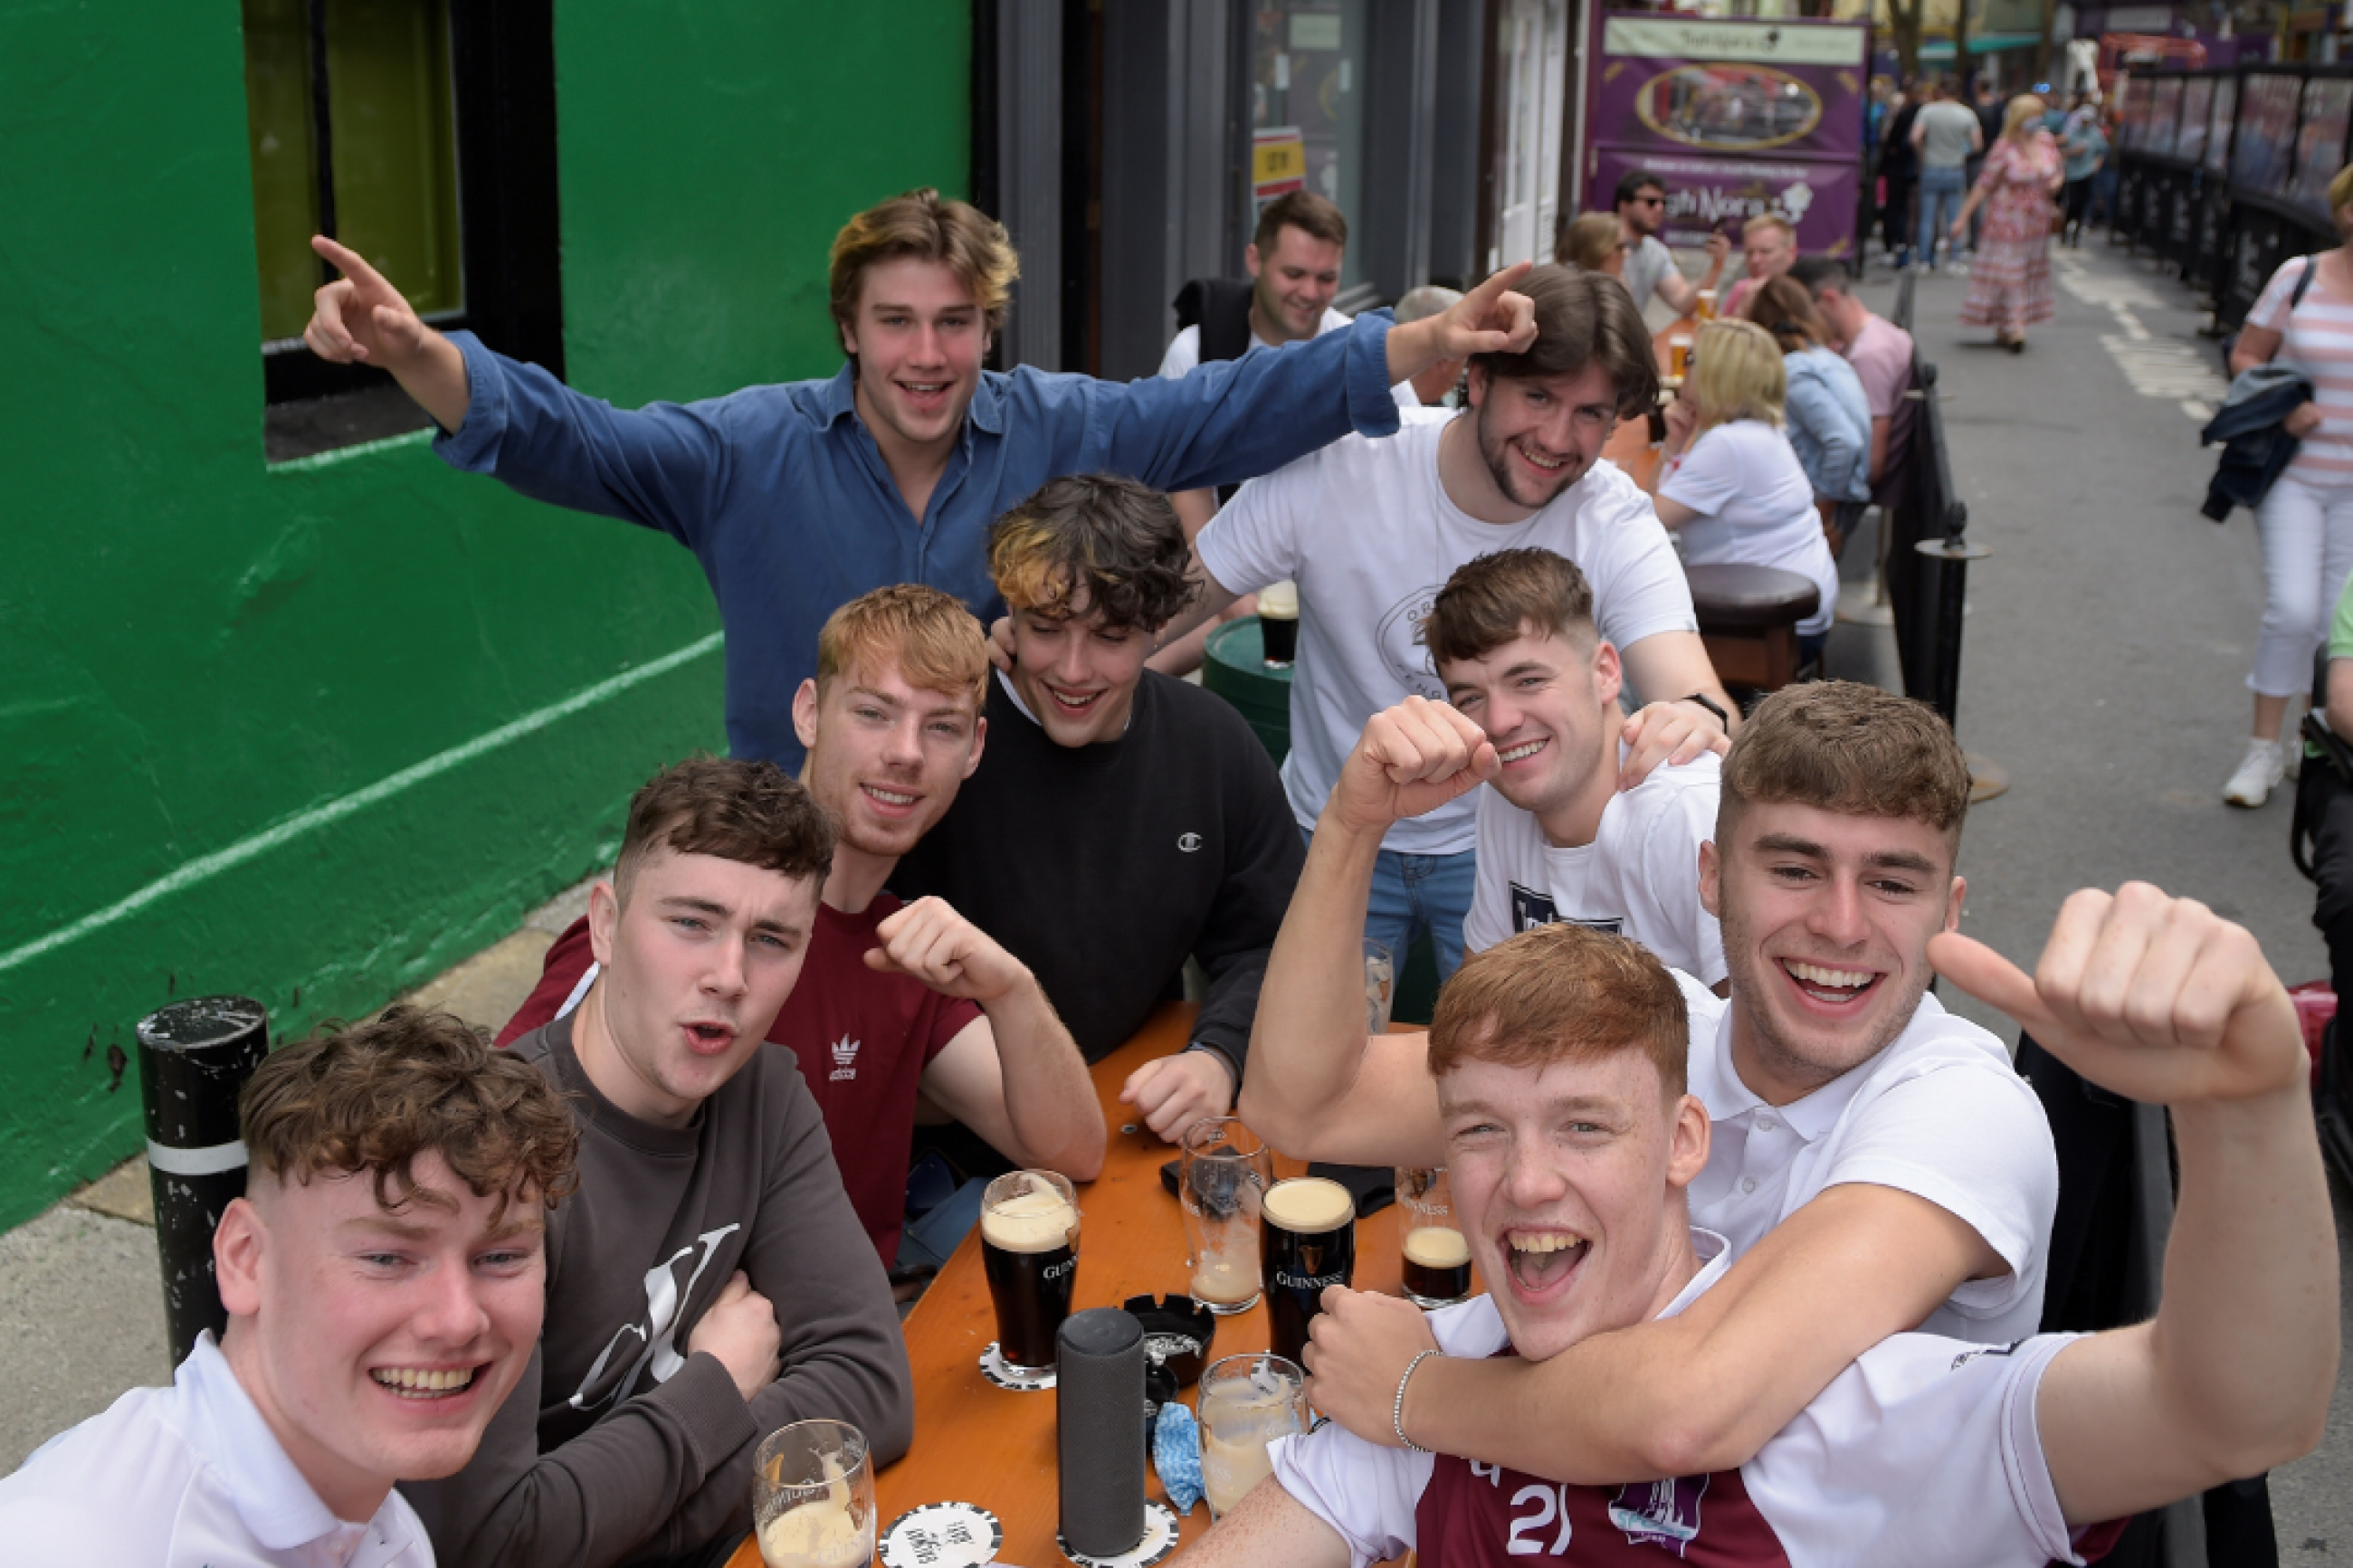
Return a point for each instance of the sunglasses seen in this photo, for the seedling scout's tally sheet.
(1649, 201)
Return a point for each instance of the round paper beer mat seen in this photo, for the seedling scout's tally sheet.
(941, 1535)
(1159, 1541)
(993, 1367)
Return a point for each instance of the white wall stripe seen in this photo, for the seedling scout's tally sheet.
(245, 849)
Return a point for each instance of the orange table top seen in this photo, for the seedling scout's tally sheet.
(1628, 445)
(980, 1444)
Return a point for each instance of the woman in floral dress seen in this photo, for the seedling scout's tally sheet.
(2010, 281)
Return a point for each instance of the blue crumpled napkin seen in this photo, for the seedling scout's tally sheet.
(1176, 1456)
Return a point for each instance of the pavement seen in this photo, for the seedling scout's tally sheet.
(2104, 669)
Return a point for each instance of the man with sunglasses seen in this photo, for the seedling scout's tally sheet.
(1641, 201)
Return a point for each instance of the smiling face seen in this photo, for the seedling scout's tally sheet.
(886, 757)
(378, 1343)
(1827, 916)
(1078, 673)
(1567, 1181)
(1296, 285)
(697, 957)
(1545, 701)
(1539, 436)
(919, 339)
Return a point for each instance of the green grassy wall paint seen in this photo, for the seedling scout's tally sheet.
(313, 732)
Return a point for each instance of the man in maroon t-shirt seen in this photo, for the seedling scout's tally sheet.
(900, 1005)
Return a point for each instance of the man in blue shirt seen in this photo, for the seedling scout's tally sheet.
(798, 498)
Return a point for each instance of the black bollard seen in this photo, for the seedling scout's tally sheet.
(194, 1059)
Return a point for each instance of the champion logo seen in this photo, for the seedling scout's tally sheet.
(1188, 842)
(844, 1058)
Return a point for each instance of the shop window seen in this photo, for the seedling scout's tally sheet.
(1307, 81)
(421, 135)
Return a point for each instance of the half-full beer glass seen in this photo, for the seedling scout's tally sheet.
(813, 1497)
(1437, 1264)
(1030, 1249)
(1226, 1172)
(1307, 1229)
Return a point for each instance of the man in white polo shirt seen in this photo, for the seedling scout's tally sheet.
(1572, 1145)
(1513, 636)
(1876, 1164)
(384, 1281)
(1371, 530)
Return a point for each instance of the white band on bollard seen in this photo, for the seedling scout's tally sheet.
(212, 1161)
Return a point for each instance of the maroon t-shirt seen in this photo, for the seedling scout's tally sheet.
(862, 1041)
(1474, 1516)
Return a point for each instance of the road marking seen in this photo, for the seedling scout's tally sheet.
(2175, 373)
(293, 827)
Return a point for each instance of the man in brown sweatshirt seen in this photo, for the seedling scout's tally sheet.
(711, 1281)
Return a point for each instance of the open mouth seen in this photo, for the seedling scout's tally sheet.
(1076, 704)
(424, 1383)
(1541, 1261)
(1523, 750)
(1831, 987)
(1544, 462)
(924, 395)
(707, 1039)
(892, 801)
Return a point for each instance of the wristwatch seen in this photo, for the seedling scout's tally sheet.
(1720, 716)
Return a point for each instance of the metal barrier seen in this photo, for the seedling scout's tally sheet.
(1928, 561)
(194, 1059)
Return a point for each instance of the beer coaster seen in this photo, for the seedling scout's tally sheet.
(941, 1535)
(993, 1367)
(1159, 1541)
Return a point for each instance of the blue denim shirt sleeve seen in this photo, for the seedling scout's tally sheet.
(665, 466)
(1235, 419)
(1823, 437)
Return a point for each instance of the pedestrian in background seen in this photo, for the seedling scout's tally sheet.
(1829, 413)
(1899, 167)
(2084, 147)
(2306, 519)
(1944, 135)
(2009, 286)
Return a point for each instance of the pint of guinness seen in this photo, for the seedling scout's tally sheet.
(1278, 623)
(1437, 1261)
(1030, 1249)
(1308, 1238)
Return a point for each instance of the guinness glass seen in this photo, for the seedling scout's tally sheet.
(1030, 1249)
(1437, 1264)
(1278, 623)
(1308, 1235)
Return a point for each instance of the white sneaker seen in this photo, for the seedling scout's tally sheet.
(2259, 771)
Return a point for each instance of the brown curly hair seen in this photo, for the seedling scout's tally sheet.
(373, 1096)
(1118, 540)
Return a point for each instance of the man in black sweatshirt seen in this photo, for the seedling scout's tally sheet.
(710, 1282)
(1121, 821)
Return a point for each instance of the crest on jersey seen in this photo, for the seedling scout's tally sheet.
(1660, 1513)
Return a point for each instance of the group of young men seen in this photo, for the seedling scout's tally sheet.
(983, 879)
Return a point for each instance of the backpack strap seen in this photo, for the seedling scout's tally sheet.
(2311, 265)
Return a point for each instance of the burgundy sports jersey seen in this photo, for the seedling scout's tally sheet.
(862, 1040)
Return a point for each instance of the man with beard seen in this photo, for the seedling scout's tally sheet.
(1876, 1166)
(1371, 531)
(1641, 207)
(899, 1006)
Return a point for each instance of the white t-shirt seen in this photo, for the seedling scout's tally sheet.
(1366, 530)
(189, 1477)
(1924, 1452)
(1940, 1113)
(1184, 352)
(1757, 509)
(1647, 266)
(1639, 876)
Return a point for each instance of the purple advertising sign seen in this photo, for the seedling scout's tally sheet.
(1729, 87)
(1705, 193)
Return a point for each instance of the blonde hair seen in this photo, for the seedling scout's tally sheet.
(2022, 108)
(920, 225)
(1769, 220)
(1589, 241)
(2340, 189)
(1736, 374)
(931, 636)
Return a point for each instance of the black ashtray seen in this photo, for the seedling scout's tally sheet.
(1177, 1331)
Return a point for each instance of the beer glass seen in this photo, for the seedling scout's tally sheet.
(1278, 623)
(1679, 348)
(1307, 1233)
(1380, 986)
(813, 1497)
(1226, 1170)
(1706, 311)
(1246, 1403)
(1437, 1270)
(1030, 1249)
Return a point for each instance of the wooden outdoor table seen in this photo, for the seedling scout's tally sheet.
(980, 1444)
(1628, 445)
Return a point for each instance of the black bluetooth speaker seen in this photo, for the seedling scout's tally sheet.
(1099, 1415)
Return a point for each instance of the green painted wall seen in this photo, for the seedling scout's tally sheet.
(317, 732)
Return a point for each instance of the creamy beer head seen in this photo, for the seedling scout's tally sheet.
(1039, 1220)
(1279, 601)
(1308, 1204)
(1437, 1246)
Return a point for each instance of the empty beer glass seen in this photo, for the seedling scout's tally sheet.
(1226, 1172)
(1247, 1402)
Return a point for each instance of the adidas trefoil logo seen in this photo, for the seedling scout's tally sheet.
(844, 1058)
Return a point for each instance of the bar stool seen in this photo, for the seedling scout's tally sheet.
(1748, 619)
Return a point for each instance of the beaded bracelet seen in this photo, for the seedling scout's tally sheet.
(1397, 1405)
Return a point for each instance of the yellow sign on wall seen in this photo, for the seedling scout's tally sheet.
(1278, 161)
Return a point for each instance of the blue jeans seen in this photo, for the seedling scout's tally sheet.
(1413, 893)
(1940, 203)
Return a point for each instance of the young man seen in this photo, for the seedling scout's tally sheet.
(384, 1275)
(1944, 136)
(1123, 821)
(1880, 351)
(1571, 1145)
(1370, 530)
(900, 1005)
(1514, 639)
(799, 498)
(1876, 1164)
(710, 1283)
(1768, 244)
(1641, 202)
